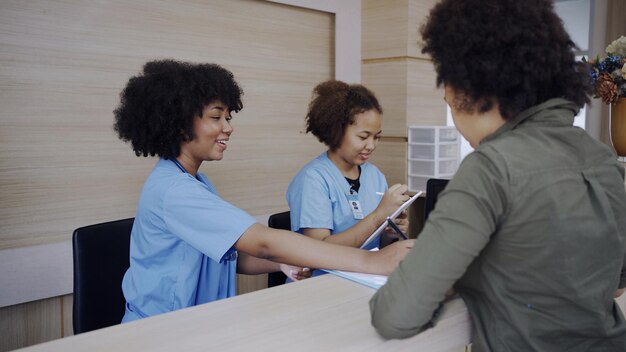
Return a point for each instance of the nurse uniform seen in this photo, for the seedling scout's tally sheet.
(181, 250)
(319, 196)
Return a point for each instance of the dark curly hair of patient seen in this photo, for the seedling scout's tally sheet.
(333, 107)
(521, 57)
(157, 107)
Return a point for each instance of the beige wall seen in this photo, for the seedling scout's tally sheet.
(63, 65)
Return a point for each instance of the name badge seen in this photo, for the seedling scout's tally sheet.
(230, 255)
(355, 205)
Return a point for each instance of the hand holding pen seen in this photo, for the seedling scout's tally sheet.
(392, 199)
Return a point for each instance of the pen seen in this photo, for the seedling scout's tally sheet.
(395, 228)
(380, 193)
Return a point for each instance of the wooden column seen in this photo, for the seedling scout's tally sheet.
(401, 76)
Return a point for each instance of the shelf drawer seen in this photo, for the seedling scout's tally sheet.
(432, 168)
(432, 134)
(427, 151)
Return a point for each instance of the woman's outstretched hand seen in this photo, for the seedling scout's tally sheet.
(295, 273)
(386, 260)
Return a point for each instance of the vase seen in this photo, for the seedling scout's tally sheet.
(617, 128)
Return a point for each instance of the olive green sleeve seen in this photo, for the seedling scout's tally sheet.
(457, 230)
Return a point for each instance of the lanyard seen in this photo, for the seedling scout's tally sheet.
(183, 169)
(179, 166)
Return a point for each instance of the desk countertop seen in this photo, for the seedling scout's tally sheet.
(324, 313)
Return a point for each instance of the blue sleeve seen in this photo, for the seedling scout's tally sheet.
(203, 219)
(310, 202)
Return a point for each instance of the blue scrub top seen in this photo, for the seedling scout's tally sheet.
(181, 250)
(318, 196)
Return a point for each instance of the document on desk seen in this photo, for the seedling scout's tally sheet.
(374, 236)
(369, 280)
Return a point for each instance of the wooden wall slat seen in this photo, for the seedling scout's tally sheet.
(63, 64)
(384, 28)
(407, 92)
(425, 104)
(418, 11)
(390, 158)
(30, 323)
(388, 80)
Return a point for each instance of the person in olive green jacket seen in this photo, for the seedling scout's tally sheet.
(531, 231)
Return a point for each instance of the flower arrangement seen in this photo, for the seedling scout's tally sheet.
(608, 76)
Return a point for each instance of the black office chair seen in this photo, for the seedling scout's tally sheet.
(101, 257)
(278, 221)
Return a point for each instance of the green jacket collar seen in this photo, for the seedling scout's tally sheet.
(554, 112)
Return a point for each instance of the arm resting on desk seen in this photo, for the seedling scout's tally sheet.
(410, 301)
(250, 265)
(407, 304)
(291, 248)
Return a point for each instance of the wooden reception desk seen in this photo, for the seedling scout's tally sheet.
(325, 313)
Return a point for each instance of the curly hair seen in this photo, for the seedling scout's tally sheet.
(512, 52)
(157, 107)
(333, 108)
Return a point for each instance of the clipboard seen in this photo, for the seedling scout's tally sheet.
(374, 236)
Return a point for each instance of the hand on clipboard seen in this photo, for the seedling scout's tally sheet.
(394, 197)
(390, 219)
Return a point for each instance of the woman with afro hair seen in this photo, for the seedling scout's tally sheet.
(338, 196)
(187, 243)
(531, 231)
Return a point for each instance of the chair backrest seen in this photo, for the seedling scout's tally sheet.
(101, 257)
(278, 221)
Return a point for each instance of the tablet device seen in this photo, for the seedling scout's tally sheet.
(434, 186)
(376, 234)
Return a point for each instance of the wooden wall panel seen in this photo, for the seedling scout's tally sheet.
(404, 80)
(63, 64)
(390, 158)
(425, 104)
(388, 80)
(30, 323)
(391, 28)
(407, 92)
(67, 304)
(250, 283)
(418, 11)
(384, 28)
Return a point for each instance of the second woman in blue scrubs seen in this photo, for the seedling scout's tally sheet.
(339, 197)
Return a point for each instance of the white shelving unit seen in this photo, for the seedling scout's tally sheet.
(433, 152)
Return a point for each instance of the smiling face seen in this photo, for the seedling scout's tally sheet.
(211, 133)
(358, 142)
